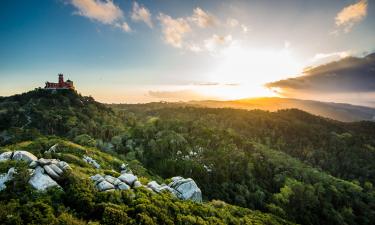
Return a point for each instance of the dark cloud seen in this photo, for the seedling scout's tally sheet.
(348, 75)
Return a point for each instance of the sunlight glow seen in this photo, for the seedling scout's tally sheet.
(244, 71)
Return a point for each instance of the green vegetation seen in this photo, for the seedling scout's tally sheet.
(289, 165)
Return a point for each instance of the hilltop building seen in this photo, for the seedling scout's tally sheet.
(61, 84)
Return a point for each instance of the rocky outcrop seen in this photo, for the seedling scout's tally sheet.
(91, 161)
(153, 185)
(6, 177)
(41, 181)
(5, 156)
(25, 156)
(186, 189)
(128, 178)
(43, 176)
(109, 183)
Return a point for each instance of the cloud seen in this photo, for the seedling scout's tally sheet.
(231, 22)
(203, 19)
(216, 41)
(140, 13)
(348, 75)
(102, 11)
(351, 15)
(124, 26)
(174, 29)
(342, 54)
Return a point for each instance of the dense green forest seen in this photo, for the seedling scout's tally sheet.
(289, 165)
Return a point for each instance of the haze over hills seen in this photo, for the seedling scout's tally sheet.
(338, 111)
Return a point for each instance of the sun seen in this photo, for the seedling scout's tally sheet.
(242, 72)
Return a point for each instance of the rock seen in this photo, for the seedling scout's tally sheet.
(5, 177)
(137, 184)
(105, 185)
(41, 181)
(53, 148)
(112, 180)
(123, 186)
(24, 155)
(56, 169)
(33, 164)
(5, 156)
(96, 177)
(51, 172)
(128, 178)
(91, 161)
(186, 189)
(63, 166)
(43, 161)
(174, 179)
(154, 186)
(123, 166)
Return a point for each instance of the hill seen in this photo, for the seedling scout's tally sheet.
(290, 165)
(76, 201)
(337, 111)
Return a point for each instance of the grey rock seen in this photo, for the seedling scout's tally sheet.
(123, 186)
(41, 181)
(5, 156)
(186, 189)
(53, 148)
(137, 184)
(56, 169)
(33, 164)
(128, 178)
(96, 177)
(5, 177)
(154, 186)
(24, 155)
(105, 185)
(63, 165)
(112, 180)
(51, 172)
(91, 161)
(43, 161)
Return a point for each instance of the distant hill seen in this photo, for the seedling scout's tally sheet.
(337, 111)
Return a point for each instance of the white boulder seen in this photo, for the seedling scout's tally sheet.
(24, 155)
(186, 189)
(63, 165)
(43, 161)
(53, 148)
(128, 178)
(123, 186)
(137, 184)
(154, 186)
(91, 161)
(6, 177)
(105, 185)
(51, 172)
(41, 181)
(5, 156)
(112, 180)
(56, 169)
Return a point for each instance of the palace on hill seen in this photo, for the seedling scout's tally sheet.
(60, 85)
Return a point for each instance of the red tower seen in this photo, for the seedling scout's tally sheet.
(61, 80)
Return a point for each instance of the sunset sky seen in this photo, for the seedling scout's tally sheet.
(142, 51)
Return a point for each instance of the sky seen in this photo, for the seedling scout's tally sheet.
(152, 50)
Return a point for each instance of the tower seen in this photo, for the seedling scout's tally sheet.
(61, 79)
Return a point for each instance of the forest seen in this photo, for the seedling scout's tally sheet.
(254, 167)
